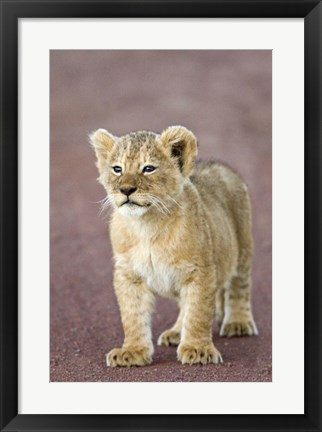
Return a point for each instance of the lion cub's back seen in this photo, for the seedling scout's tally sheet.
(219, 185)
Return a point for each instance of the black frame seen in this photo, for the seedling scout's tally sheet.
(11, 11)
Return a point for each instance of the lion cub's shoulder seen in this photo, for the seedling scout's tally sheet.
(217, 178)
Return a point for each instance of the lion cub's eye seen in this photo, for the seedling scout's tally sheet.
(148, 169)
(117, 169)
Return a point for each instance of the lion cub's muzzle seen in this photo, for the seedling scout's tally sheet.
(128, 191)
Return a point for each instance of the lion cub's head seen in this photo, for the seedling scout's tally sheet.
(144, 171)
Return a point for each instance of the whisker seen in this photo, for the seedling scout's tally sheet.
(162, 208)
(175, 201)
(156, 204)
(163, 204)
(160, 201)
(98, 202)
(105, 204)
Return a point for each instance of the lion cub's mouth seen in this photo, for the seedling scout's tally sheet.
(131, 203)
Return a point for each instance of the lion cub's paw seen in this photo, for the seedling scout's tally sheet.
(204, 355)
(169, 337)
(238, 326)
(128, 357)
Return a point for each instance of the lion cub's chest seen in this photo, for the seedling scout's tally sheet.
(154, 266)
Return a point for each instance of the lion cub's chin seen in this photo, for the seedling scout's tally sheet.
(131, 209)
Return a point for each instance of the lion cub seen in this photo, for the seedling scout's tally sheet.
(179, 230)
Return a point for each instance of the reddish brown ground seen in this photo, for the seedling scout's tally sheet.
(225, 98)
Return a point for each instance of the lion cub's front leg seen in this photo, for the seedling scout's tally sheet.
(196, 344)
(136, 302)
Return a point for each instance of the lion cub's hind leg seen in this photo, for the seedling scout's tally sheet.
(220, 305)
(238, 318)
(172, 335)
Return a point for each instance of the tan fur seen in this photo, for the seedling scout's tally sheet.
(184, 233)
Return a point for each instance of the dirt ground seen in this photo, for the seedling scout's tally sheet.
(224, 97)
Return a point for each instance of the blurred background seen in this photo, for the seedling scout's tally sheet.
(225, 98)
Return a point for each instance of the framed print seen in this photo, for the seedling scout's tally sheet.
(180, 291)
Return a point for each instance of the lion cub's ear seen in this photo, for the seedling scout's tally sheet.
(183, 146)
(102, 142)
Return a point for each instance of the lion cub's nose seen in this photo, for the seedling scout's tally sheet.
(127, 191)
